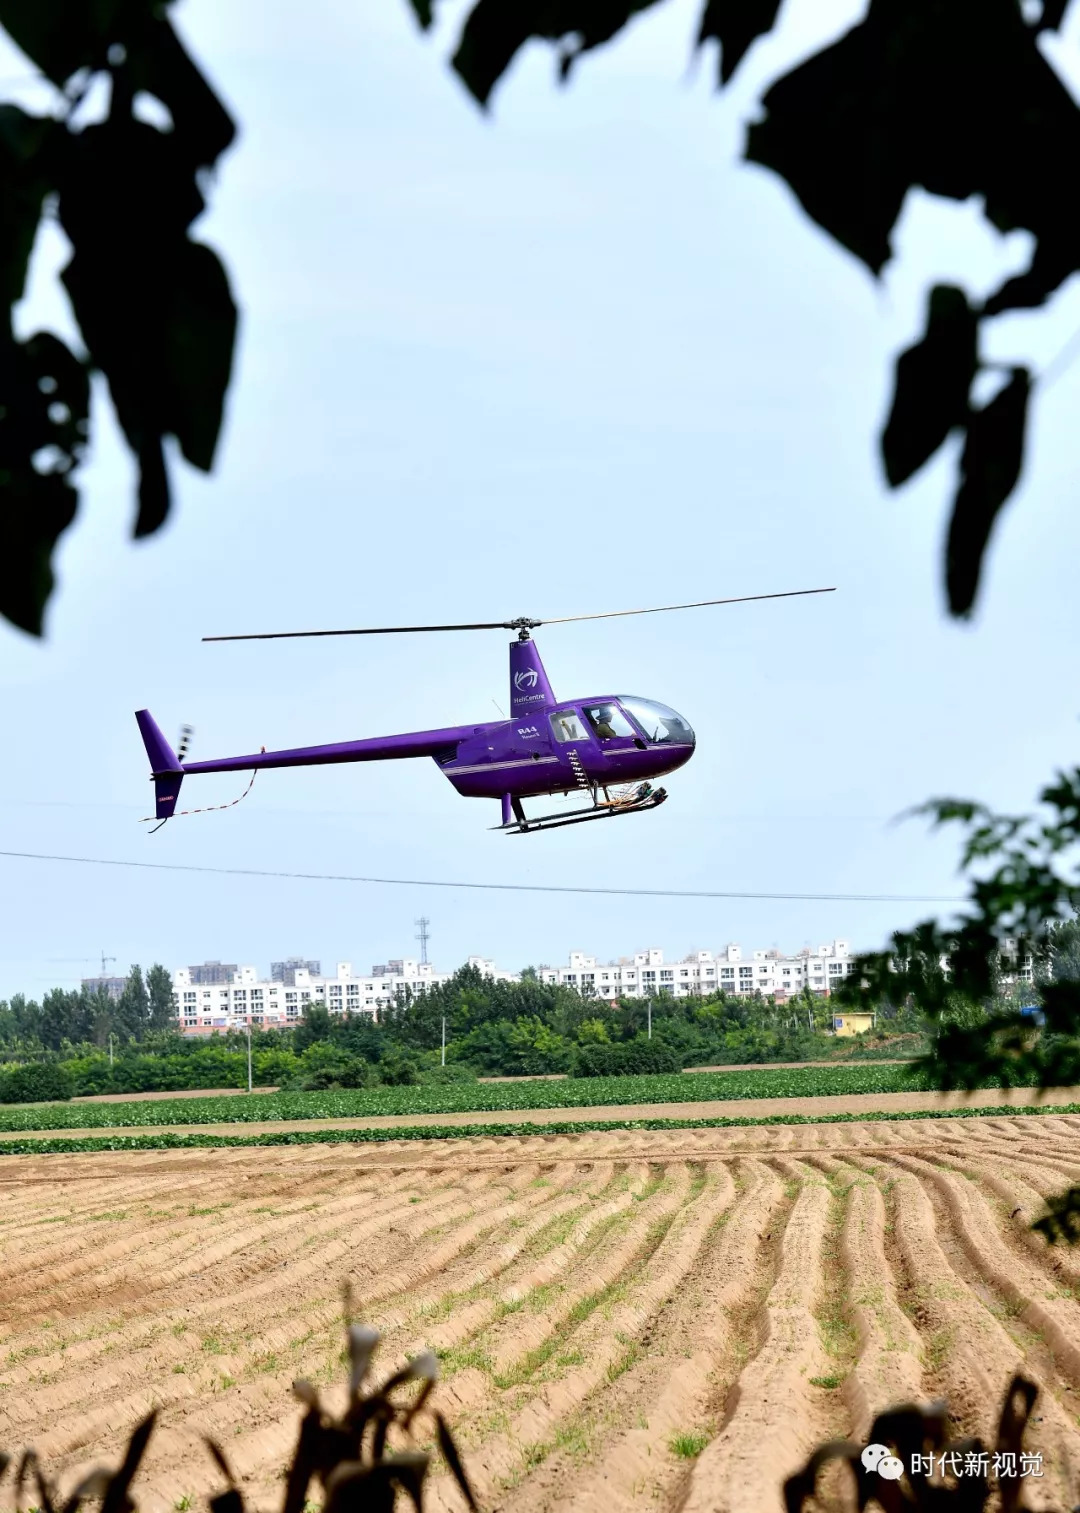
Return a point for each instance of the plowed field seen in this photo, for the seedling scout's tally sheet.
(627, 1320)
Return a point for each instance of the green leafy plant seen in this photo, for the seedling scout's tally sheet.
(1024, 891)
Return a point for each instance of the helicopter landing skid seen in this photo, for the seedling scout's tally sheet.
(636, 802)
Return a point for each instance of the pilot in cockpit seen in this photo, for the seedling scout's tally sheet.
(601, 722)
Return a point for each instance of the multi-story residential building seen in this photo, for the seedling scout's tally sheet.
(112, 986)
(285, 971)
(209, 1000)
(766, 972)
(250, 999)
(211, 974)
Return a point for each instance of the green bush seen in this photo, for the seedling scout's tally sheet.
(452, 1075)
(628, 1058)
(36, 1082)
(324, 1065)
(397, 1068)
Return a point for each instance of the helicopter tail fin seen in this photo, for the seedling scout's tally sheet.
(530, 691)
(166, 769)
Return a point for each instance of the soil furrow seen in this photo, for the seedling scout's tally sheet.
(776, 1404)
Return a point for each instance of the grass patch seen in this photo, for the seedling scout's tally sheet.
(835, 1327)
(937, 1348)
(460, 1357)
(688, 1446)
(829, 1382)
(622, 1363)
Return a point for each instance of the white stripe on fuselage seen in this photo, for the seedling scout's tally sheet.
(498, 766)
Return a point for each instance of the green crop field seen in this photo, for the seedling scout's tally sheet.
(798, 1082)
(322, 1135)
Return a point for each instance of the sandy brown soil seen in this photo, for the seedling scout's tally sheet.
(594, 1298)
(749, 1108)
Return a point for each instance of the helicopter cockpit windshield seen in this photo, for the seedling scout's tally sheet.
(659, 725)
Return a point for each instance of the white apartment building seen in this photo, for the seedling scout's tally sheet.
(205, 1006)
(251, 999)
(766, 972)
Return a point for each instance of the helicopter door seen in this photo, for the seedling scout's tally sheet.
(610, 727)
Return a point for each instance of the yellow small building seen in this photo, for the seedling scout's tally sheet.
(852, 1023)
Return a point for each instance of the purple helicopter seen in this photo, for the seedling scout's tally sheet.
(608, 749)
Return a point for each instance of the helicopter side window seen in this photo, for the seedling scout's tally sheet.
(608, 722)
(566, 723)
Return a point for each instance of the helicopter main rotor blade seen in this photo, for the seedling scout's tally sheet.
(521, 623)
(660, 609)
(368, 630)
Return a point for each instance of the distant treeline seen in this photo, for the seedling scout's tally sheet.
(88, 1016)
(492, 1029)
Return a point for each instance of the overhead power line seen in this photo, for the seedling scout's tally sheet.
(429, 882)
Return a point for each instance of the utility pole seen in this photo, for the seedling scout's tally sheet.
(110, 1047)
(249, 1052)
(444, 1040)
(423, 935)
(650, 1016)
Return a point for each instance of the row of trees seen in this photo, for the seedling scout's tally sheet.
(88, 1016)
(491, 1029)
(518, 1028)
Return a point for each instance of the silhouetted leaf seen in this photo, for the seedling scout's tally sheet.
(452, 1458)
(61, 37)
(833, 129)
(1051, 264)
(116, 1498)
(423, 12)
(28, 147)
(229, 1501)
(990, 467)
(157, 63)
(933, 379)
(44, 409)
(736, 25)
(154, 307)
(956, 99)
(495, 31)
(1061, 1222)
(1053, 14)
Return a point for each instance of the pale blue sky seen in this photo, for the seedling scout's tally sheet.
(571, 357)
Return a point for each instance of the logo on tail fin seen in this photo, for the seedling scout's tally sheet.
(525, 679)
